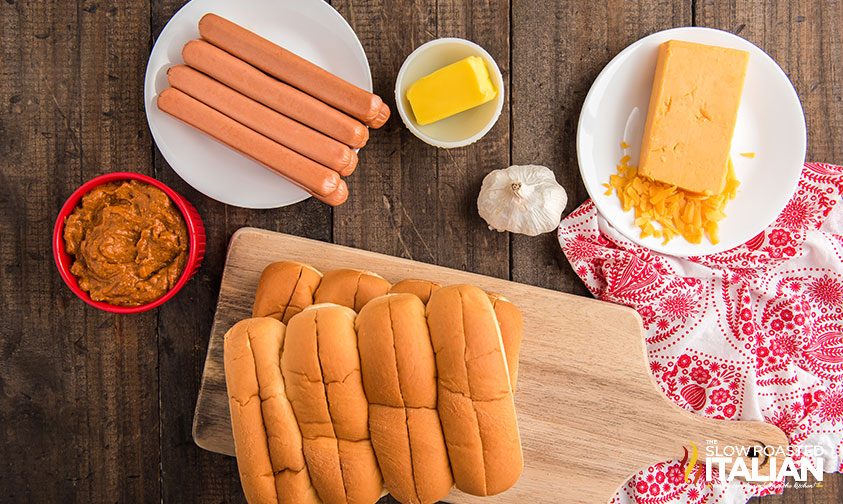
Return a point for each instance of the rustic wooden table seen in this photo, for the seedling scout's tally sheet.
(98, 408)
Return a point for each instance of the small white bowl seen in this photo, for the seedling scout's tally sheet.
(461, 129)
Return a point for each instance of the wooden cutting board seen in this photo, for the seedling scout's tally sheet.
(589, 411)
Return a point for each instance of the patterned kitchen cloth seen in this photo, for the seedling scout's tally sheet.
(753, 333)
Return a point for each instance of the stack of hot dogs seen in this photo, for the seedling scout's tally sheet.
(343, 386)
(270, 104)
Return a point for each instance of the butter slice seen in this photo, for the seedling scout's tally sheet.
(691, 119)
(450, 90)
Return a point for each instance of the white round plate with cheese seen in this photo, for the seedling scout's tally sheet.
(770, 124)
(310, 28)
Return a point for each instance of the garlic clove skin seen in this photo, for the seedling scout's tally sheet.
(524, 199)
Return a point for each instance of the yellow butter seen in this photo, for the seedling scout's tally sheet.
(693, 108)
(450, 90)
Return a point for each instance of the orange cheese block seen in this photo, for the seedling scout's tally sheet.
(693, 108)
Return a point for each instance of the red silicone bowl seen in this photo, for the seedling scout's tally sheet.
(195, 231)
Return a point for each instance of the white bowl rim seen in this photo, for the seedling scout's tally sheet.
(410, 124)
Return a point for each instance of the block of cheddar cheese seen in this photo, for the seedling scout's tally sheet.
(691, 118)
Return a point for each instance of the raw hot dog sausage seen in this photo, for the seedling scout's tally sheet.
(315, 178)
(294, 70)
(250, 81)
(289, 133)
(337, 197)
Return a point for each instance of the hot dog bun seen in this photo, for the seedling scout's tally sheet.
(284, 289)
(512, 331)
(475, 395)
(420, 288)
(509, 318)
(321, 369)
(267, 440)
(350, 287)
(399, 377)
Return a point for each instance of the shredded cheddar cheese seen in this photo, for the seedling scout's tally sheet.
(665, 211)
(749, 155)
(624, 145)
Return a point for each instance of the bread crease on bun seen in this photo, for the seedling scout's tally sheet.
(420, 288)
(399, 378)
(351, 288)
(475, 400)
(267, 440)
(511, 323)
(284, 289)
(321, 369)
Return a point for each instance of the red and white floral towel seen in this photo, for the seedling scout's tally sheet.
(753, 333)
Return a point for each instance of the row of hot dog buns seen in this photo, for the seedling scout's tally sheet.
(273, 106)
(412, 394)
(287, 287)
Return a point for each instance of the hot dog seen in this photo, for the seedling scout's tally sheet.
(294, 70)
(337, 197)
(289, 133)
(317, 179)
(250, 81)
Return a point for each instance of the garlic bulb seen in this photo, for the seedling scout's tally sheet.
(522, 199)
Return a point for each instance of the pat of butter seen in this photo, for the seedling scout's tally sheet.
(693, 109)
(450, 90)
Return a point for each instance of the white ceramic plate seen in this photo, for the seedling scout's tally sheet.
(770, 123)
(310, 28)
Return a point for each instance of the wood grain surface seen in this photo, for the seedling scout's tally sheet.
(97, 407)
(583, 387)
